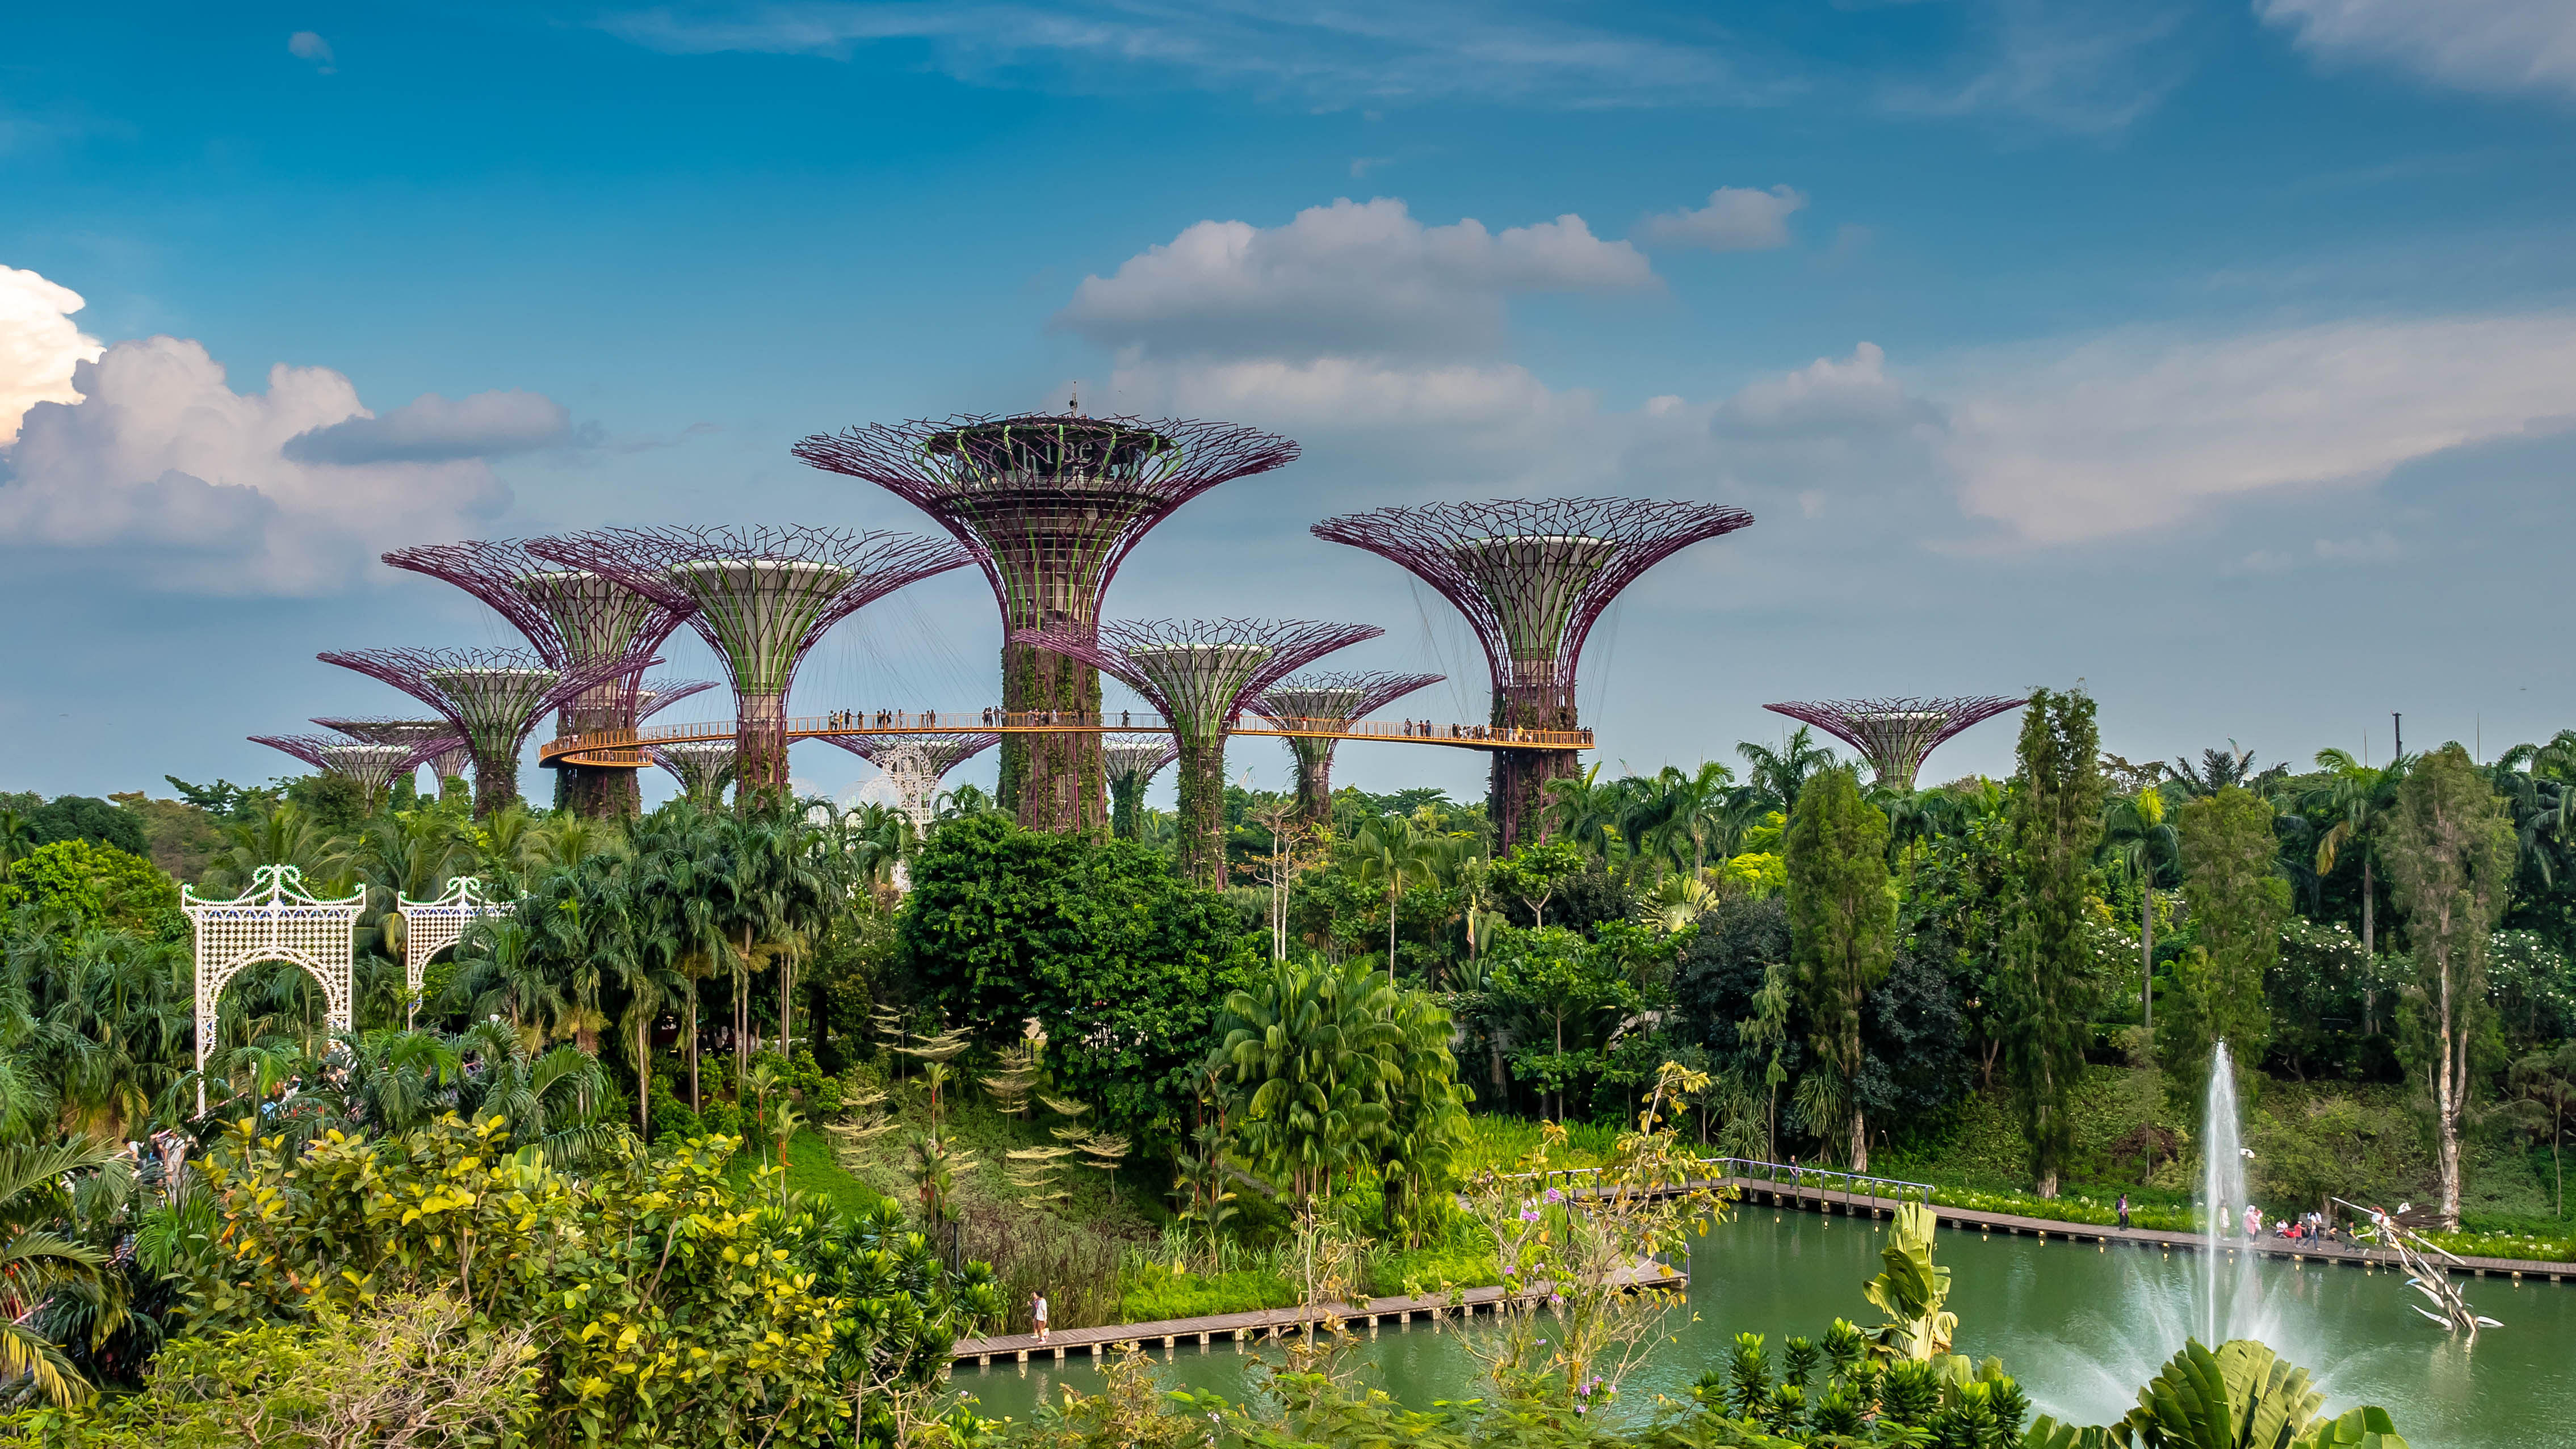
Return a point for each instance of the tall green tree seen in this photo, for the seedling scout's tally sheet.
(2048, 980)
(1842, 925)
(2238, 903)
(2450, 850)
(2357, 799)
(2141, 839)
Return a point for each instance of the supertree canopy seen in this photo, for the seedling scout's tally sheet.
(1329, 699)
(1532, 576)
(446, 752)
(1131, 762)
(571, 618)
(1199, 673)
(1050, 506)
(760, 597)
(492, 696)
(370, 766)
(1895, 735)
(703, 767)
(915, 764)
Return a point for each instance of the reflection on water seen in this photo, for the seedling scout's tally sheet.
(2081, 1327)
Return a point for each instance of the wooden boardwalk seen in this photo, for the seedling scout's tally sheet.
(1253, 1326)
(1272, 1323)
(1817, 1199)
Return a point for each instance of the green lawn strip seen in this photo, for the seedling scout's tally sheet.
(1422, 1271)
(1155, 1295)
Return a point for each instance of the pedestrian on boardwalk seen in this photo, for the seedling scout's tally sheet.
(1038, 1314)
(2124, 1212)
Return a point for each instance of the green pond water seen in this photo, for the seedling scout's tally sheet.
(2081, 1327)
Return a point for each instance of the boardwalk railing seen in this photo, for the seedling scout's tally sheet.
(620, 747)
(1775, 1176)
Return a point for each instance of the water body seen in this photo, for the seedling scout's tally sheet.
(2081, 1327)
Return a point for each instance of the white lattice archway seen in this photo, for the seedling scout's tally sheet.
(430, 927)
(275, 920)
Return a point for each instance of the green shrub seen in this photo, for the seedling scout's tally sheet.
(1150, 1295)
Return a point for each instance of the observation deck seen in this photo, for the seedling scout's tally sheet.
(624, 748)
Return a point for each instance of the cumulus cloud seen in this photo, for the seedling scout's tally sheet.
(39, 345)
(1736, 219)
(160, 466)
(305, 45)
(431, 429)
(2478, 45)
(1353, 279)
(2131, 432)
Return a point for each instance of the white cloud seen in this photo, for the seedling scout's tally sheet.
(431, 429)
(2478, 45)
(2130, 432)
(305, 45)
(1736, 219)
(39, 345)
(166, 471)
(2087, 66)
(1349, 279)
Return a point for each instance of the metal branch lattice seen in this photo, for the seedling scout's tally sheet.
(1336, 697)
(1050, 505)
(1895, 735)
(913, 765)
(657, 695)
(703, 767)
(760, 597)
(442, 748)
(569, 617)
(432, 926)
(1532, 575)
(1201, 672)
(1134, 760)
(275, 920)
(492, 696)
(373, 766)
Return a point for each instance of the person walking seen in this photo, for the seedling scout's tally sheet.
(2124, 1212)
(1038, 1314)
(2253, 1222)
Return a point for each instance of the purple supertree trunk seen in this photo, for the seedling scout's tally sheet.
(1895, 735)
(1200, 673)
(761, 598)
(1050, 506)
(1328, 699)
(1532, 576)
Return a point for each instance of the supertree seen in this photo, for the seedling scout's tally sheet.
(915, 764)
(447, 754)
(1329, 699)
(1895, 735)
(1050, 506)
(1199, 673)
(703, 767)
(1532, 576)
(1130, 763)
(492, 696)
(760, 597)
(571, 618)
(370, 766)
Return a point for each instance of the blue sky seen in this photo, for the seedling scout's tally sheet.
(2222, 355)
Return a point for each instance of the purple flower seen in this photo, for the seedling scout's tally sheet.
(1554, 1196)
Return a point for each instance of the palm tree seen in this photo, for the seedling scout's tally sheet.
(1391, 852)
(1784, 772)
(2137, 836)
(281, 834)
(679, 877)
(17, 840)
(1677, 808)
(37, 1261)
(2357, 798)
